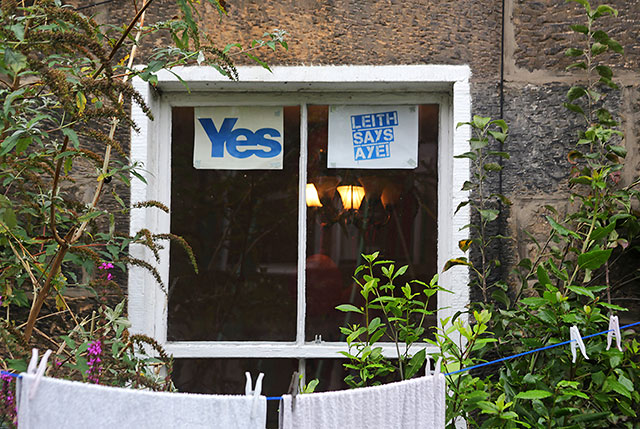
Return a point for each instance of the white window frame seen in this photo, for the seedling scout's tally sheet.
(445, 85)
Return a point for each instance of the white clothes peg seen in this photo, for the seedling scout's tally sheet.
(255, 392)
(40, 371)
(576, 340)
(247, 387)
(614, 330)
(438, 366)
(427, 366)
(33, 363)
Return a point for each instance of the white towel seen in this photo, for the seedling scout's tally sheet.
(411, 404)
(70, 404)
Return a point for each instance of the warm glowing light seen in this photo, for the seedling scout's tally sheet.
(351, 196)
(312, 196)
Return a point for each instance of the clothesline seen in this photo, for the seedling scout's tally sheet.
(277, 398)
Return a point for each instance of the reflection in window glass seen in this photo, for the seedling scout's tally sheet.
(397, 215)
(242, 226)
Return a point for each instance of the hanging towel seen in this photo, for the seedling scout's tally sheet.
(70, 404)
(410, 404)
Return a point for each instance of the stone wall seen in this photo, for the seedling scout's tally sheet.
(534, 82)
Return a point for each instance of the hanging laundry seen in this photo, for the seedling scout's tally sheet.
(410, 404)
(69, 404)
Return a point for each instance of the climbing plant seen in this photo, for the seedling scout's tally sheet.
(65, 86)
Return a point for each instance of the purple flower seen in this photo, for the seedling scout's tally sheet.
(105, 266)
(7, 398)
(94, 351)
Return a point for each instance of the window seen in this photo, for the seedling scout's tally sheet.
(273, 265)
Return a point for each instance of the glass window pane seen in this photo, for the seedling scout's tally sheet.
(397, 216)
(242, 226)
(226, 376)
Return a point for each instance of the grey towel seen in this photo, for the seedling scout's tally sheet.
(410, 404)
(70, 404)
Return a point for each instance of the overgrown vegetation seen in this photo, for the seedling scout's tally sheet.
(567, 283)
(66, 92)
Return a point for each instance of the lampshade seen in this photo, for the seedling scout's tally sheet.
(312, 196)
(351, 196)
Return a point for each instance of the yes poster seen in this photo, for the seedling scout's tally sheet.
(373, 137)
(238, 138)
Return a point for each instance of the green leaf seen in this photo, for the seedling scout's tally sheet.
(533, 301)
(576, 92)
(597, 48)
(543, 276)
(594, 259)
(573, 52)
(470, 155)
(581, 291)
(578, 65)
(533, 394)
(89, 216)
(18, 365)
(480, 122)
(591, 417)
(561, 229)
(492, 166)
(499, 136)
(602, 232)
(613, 384)
(604, 9)
(489, 214)
(349, 307)
(14, 60)
(72, 136)
(457, 261)
(604, 71)
(415, 363)
(464, 244)
(618, 150)
(488, 407)
(615, 46)
(579, 28)
(573, 108)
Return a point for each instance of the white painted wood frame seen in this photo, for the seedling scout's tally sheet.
(448, 86)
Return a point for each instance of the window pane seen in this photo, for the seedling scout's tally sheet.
(226, 376)
(242, 225)
(397, 216)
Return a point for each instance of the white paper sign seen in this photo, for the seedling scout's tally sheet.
(238, 138)
(373, 137)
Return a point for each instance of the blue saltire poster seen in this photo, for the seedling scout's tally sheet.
(238, 138)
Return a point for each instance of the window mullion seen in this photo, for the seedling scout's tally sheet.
(302, 228)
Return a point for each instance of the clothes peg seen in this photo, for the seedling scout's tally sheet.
(293, 389)
(614, 330)
(40, 371)
(438, 366)
(255, 392)
(33, 363)
(575, 335)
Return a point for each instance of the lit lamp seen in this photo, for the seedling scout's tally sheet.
(313, 200)
(351, 196)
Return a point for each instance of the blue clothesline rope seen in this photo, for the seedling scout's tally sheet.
(277, 398)
(536, 350)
